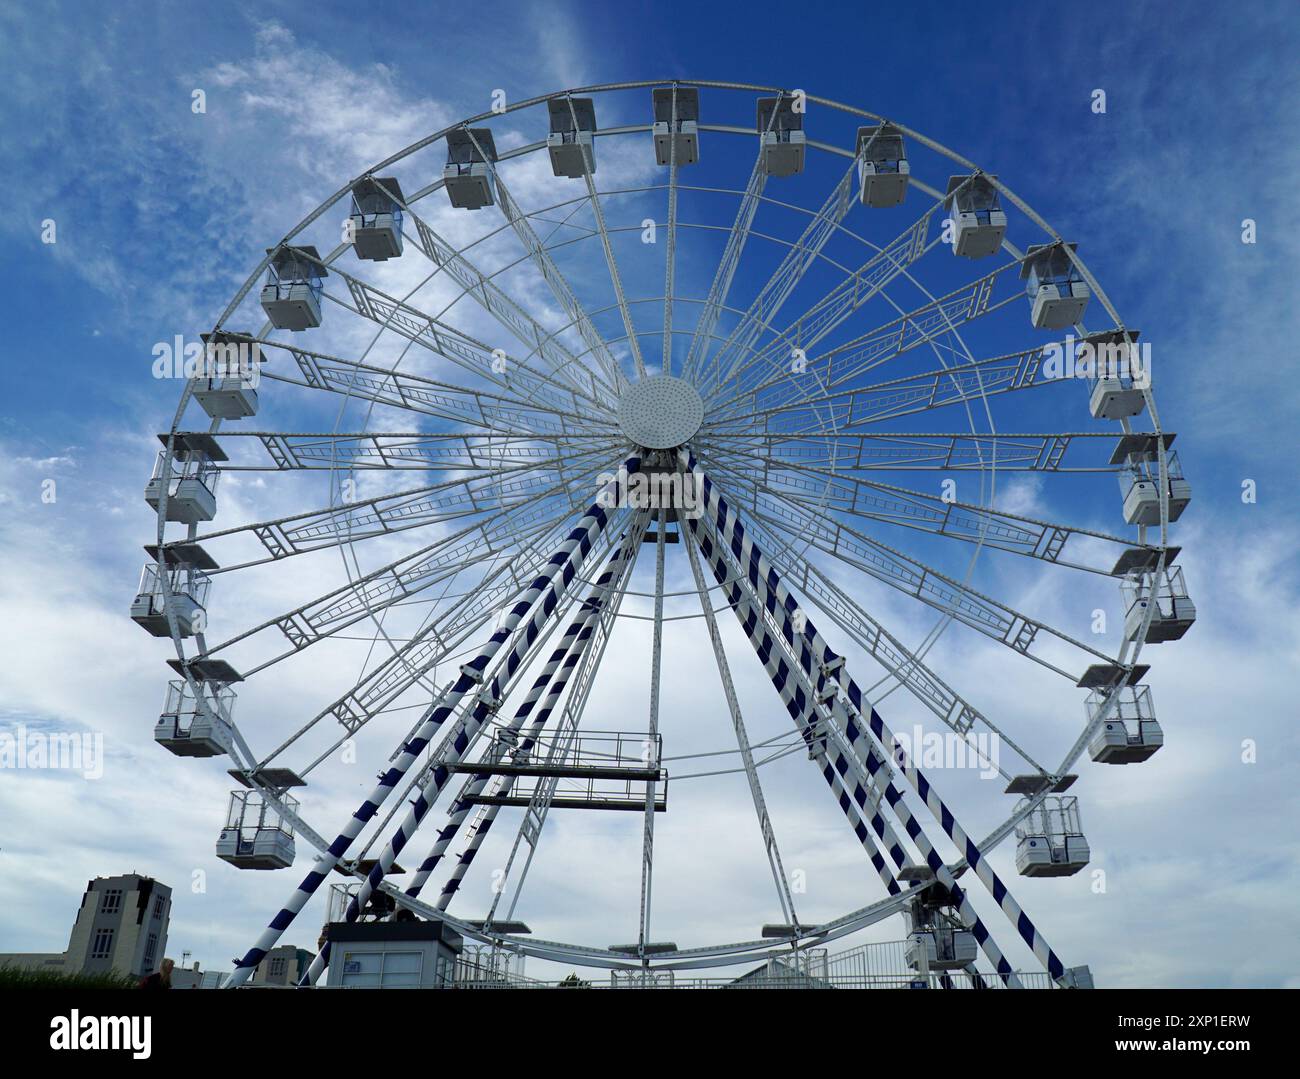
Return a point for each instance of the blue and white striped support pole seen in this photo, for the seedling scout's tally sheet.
(791, 683)
(575, 636)
(561, 564)
(550, 584)
(796, 694)
(467, 856)
(571, 661)
(778, 601)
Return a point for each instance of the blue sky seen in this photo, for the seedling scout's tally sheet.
(162, 213)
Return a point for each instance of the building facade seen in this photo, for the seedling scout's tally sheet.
(121, 928)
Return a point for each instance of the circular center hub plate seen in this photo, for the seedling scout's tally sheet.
(660, 413)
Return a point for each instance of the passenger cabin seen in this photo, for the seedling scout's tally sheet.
(1173, 612)
(376, 218)
(196, 724)
(781, 136)
(677, 139)
(572, 136)
(467, 176)
(940, 948)
(291, 296)
(181, 583)
(1130, 733)
(1057, 292)
(976, 221)
(189, 478)
(882, 165)
(1139, 479)
(1050, 840)
(227, 388)
(256, 835)
(1119, 375)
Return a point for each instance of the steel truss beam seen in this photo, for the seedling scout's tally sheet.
(464, 351)
(827, 490)
(853, 451)
(956, 713)
(388, 514)
(920, 581)
(502, 413)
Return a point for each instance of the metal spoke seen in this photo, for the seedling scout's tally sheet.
(716, 300)
(840, 365)
(868, 281)
(765, 828)
(555, 280)
(797, 261)
(501, 306)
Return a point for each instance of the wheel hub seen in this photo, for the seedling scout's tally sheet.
(661, 412)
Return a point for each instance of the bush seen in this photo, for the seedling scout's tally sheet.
(17, 978)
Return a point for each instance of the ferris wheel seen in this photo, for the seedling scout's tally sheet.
(780, 348)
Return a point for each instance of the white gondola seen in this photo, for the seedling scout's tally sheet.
(975, 216)
(1174, 611)
(256, 836)
(687, 135)
(1130, 734)
(571, 139)
(1119, 376)
(1050, 840)
(191, 482)
(1058, 295)
(227, 388)
(467, 176)
(883, 170)
(186, 577)
(189, 727)
(376, 218)
(292, 293)
(940, 948)
(1139, 480)
(781, 136)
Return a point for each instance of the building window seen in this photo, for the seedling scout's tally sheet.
(150, 950)
(102, 947)
(277, 968)
(158, 904)
(111, 902)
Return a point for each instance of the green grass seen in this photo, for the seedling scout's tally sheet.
(13, 978)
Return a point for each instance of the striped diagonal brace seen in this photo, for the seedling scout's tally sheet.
(562, 565)
(781, 605)
(792, 684)
(573, 643)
